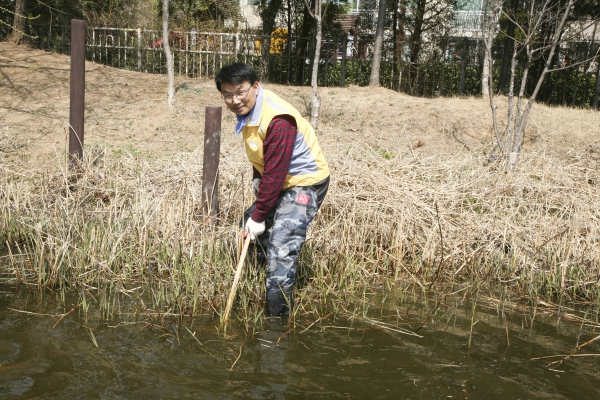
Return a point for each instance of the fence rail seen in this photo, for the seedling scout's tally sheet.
(453, 69)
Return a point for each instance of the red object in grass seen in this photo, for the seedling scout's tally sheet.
(175, 39)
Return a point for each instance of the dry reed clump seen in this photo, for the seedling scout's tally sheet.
(133, 227)
(122, 223)
(466, 218)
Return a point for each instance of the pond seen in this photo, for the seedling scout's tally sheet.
(460, 352)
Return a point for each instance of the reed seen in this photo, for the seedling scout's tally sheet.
(131, 227)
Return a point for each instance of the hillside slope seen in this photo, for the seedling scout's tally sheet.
(126, 111)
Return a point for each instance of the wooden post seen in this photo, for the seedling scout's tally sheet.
(77, 106)
(210, 165)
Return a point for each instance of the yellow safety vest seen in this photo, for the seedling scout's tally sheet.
(308, 165)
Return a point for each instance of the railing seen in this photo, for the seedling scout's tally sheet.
(467, 21)
(196, 54)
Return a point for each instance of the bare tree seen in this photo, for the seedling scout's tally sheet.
(537, 15)
(378, 44)
(168, 54)
(318, 14)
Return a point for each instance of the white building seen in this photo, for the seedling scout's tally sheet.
(250, 14)
(467, 21)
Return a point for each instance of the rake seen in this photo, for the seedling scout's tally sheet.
(236, 279)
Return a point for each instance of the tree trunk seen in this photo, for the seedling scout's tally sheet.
(312, 45)
(288, 42)
(316, 101)
(168, 54)
(399, 38)
(395, 54)
(489, 29)
(596, 90)
(302, 42)
(463, 65)
(20, 22)
(415, 45)
(509, 43)
(486, 71)
(376, 63)
(268, 16)
(289, 20)
(318, 15)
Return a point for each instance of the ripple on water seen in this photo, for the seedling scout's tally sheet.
(16, 387)
(8, 384)
(8, 352)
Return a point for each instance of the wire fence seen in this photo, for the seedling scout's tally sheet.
(452, 68)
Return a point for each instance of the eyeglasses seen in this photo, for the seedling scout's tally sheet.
(240, 96)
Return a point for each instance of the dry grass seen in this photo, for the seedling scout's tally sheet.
(129, 222)
(418, 196)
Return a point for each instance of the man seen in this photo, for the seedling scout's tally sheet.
(290, 177)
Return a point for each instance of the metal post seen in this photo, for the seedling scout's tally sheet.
(187, 52)
(210, 165)
(124, 49)
(220, 51)
(597, 89)
(139, 49)
(344, 50)
(93, 45)
(77, 106)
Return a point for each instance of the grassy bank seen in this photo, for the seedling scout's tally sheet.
(418, 197)
(132, 227)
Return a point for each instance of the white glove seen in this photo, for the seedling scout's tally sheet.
(254, 228)
(255, 185)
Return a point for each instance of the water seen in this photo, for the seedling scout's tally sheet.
(343, 358)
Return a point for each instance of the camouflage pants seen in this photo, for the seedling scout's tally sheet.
(288, 224)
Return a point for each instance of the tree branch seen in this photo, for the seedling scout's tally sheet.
(309, 9)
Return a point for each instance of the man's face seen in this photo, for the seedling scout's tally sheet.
(239, 98)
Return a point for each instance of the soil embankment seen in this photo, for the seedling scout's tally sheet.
(127, 110)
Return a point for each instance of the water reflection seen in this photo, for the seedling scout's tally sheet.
(342, 357)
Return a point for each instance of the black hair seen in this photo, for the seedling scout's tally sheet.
(234, 74)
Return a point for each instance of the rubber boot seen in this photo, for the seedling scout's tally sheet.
(257, 255)
(279, 303)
